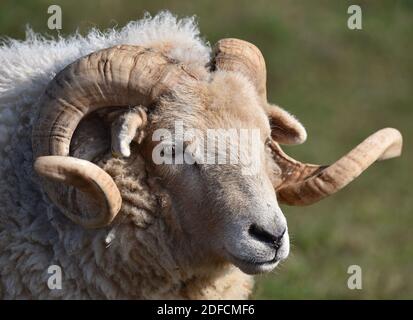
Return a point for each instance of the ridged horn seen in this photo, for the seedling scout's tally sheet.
(304, 184)
(120, 76)
(244, 57)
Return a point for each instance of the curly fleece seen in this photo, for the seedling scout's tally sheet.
(132, 259)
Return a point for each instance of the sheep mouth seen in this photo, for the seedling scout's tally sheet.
(252, 266)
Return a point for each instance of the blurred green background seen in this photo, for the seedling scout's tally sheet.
(343, 85)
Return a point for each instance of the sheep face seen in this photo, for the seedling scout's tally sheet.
(223, 197)
(224, 210)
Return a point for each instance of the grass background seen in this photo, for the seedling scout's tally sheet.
(343, 85)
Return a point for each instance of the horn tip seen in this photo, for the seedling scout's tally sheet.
(396, 146)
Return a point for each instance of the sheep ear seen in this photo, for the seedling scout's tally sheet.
(127, 127)
(285, 128)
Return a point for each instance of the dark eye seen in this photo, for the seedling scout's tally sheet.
(169, 151)
(197, 166)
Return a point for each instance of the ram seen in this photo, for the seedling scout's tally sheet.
(79, 188)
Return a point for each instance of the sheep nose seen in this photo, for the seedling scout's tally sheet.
(263, 235)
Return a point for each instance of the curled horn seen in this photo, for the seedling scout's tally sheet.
(303, 184)
(120, 76)
(242, 56)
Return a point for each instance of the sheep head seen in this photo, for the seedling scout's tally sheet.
(228, 210)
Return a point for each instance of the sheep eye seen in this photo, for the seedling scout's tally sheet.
(197, 165)
(170, 150)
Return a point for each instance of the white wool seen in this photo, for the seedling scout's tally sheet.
(27, 66)
(32, 235)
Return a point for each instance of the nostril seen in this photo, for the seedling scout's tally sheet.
(277, 243)
(263, 235)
